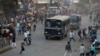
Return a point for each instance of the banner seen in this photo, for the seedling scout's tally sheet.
(68, 2)
(75, 1)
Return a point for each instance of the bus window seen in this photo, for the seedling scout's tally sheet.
(56, 24)
(73, 19)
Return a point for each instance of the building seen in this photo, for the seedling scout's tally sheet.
(47, 3)
(9, 7)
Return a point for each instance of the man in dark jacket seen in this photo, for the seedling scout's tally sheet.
(84, 33)
(79, 34)
(13, 36)
(68, 49)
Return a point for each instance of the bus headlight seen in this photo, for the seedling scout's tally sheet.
(59, 33)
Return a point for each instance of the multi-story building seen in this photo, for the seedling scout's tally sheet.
(41, 3)
(49, 1)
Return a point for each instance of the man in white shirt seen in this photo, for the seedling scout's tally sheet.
(82, 50)
(26, 36)
(71, 35)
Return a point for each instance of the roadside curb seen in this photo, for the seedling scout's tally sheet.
(2, 50)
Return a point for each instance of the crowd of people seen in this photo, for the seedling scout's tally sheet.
(82, 50)
(8, 32)
(83, 34)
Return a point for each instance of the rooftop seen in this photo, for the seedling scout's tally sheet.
(60, 17)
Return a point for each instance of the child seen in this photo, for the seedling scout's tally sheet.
(22, 47)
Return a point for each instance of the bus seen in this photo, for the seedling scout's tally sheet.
(75, 21)
(56, 27)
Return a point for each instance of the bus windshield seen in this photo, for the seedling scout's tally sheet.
(73, 19)
(53, 23)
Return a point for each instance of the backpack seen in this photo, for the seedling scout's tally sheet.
(68, 47)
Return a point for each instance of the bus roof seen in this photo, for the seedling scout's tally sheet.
(75, 15)
(60, 17)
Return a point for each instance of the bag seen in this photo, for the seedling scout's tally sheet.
(24, 39)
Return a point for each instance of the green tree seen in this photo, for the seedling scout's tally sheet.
(9, 7)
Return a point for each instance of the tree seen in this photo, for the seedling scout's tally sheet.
(10, 7)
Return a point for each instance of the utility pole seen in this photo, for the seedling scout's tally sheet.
(47, 7)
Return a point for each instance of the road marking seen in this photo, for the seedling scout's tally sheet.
(67, 53)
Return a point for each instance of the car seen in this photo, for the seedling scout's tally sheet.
(97, 40)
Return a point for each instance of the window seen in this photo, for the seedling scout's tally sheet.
(73, 19)
(54, 23)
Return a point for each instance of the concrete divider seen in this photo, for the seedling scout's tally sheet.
(4, 49)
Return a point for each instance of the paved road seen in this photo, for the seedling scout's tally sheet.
(42, 47)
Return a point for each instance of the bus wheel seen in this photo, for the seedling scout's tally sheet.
(60, 38)
(46, 37)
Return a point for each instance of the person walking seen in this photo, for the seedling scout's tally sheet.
(82, 50)
(23, 28)
(84, 33)
(89, 30)
(34, 27)
(20, 29)
(90, 17)
(79, 34)
(26, 36)
(87, 33)
(29, 26)
(29, 38)
(71, 35)
(22, 47)
(13, 36)
(92, 50)
(13, 40)
(68, 49)
(7, 34)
